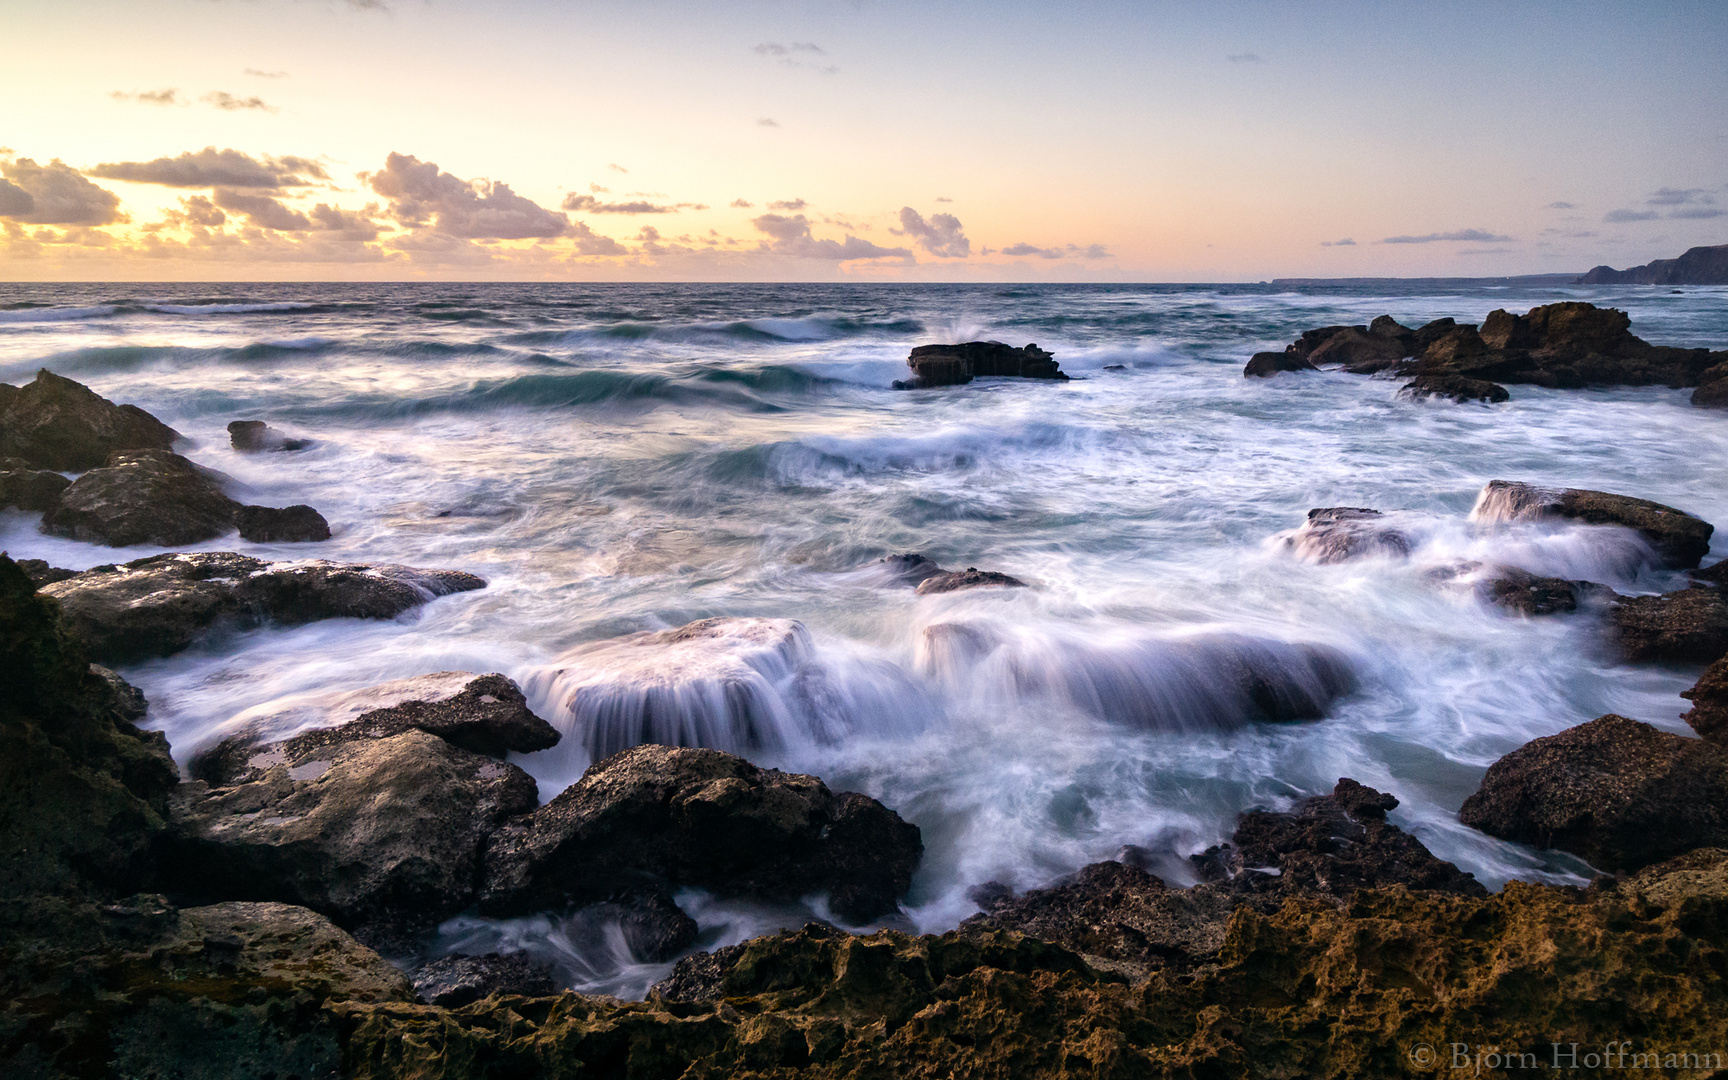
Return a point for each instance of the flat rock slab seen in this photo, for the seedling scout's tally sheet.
(55, 423)
(657, 817)
(1616, 792)
(1688, 625)
(1681, 539)
(159, 605)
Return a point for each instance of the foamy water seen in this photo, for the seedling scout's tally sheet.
(617, 460)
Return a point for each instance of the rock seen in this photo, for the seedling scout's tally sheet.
(1457, 387)
(451, 982)
(290, 524)
(40, 573)
(1709, 696)
(382, 835)
(969, 578)
(143, 497)
(1681, 539)
(255, 436)
(55, 423)
(1311, 340)
(951, 365)
(1266, 364)
(1686, 625)
(158, 605)
(657, 817)
(1335, 534)
(910, 568)
(1526, 593)
(1699, 266)
(27, 488)
(1361, 352)
(486, 714)
(1712, 392)
(82, 790)
(1616, 792)
(1714, 574)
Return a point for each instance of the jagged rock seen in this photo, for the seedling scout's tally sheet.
(1685, 625)
(483, 713)
(158, 605)
(40, 573)
(1699, 266)
(1334, 534)
(658, 817)
(289, 524)
(451, 982)
(255, 436)
(1457, 387)
(1616, 792)
(1360, 351)
(1709, 696)
(951, 365)
(1266, 364)
(1681, 539)
(143, 497)
(55, 423)
(970, 578)
(29, 489)
(383, 835)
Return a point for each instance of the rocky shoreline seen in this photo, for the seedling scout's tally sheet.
(232, 922)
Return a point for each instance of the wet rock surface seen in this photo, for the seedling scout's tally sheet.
(451, 982)
(1616, 792)
(656, 817)
(953, 365)
(1337, 534)
(40, 573)
(57, 424)
(143, 497)
(1530, 594)
(949, 581)
(1688, 625)
(1455, 387)
(911, 568)
(1680, 538)
(159, 605)
(1266, 364)
(1709, 696)
(27, 488)
(289, 524)
(255, 436)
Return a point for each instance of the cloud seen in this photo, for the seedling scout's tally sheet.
(589, 242)
(222, 99)
(1346, 242)
(943, 198)
(1621, 216)
(262, 210)
(788, 55)
(168, 95)
(941, 236)
(266, 74)
(1678, 196)
(1480, 236)
(1486, 251)
(1562, 206)
(211, 167)
(767, 121)
(742, 204)
(617, 168)
(1023, 249)
(1090, 251)
(200, 211)
(471, 210)
(791, 206)
(1697, 212)
(14, 200)
(59, 195)
(1246, 58)
(590, 205)
(791, 236)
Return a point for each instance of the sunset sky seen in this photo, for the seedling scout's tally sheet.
(862, 140)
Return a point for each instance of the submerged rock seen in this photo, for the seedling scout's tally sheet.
(970, 578)
(656, 817)
(29, 489)
(255, 436)
(383, 835)
(1686, 625)
(55, 423)
(1336, 534)
(1457, 387)
(1529, 594)
(1681, 539)
(910, 568)
(451, 982)
(952, 365)
(158, 605)
(1617, 793)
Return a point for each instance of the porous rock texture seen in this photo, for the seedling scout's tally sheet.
(158, 605)
(1680, 538)
(55, 423)
(1687, 625)
(659, 817)
(1616, 792)
(1709, 696)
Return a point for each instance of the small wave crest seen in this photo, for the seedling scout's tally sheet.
(57, 314)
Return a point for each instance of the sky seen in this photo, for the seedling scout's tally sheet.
(855, 140)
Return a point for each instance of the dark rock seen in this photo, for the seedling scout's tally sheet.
(1311, 340)
(290, 524)
(451, 982)
(658, 817)
(55, 423)
(1387, 327)
(1709, 696)
(143, 497)
(158, 605)
(486, 714)
(1526, 593)
(1428, 333)
(1115, 367)
(1457, 387)
(1714, 574)
(1334, 534)
(1266, 364)
(911, 568)
(1699, 266)
(1686, 625)
(1616, 792)
(383, 835)
(951, 365)
(40, 573)
(1360, 351)
(255, 436)
(970, 578)
(124, 700)
(1712, 392)
(1680, 538)
(27, 488)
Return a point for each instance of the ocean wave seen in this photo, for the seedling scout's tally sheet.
(54, 314)
(221, 307)
(800, 330)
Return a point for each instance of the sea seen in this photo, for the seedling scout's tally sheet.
(615, 459)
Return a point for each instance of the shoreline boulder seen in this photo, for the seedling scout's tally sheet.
(143, 497)
(1680, 538)
(57, 424)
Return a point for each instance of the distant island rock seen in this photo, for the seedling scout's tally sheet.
(1699, 266)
